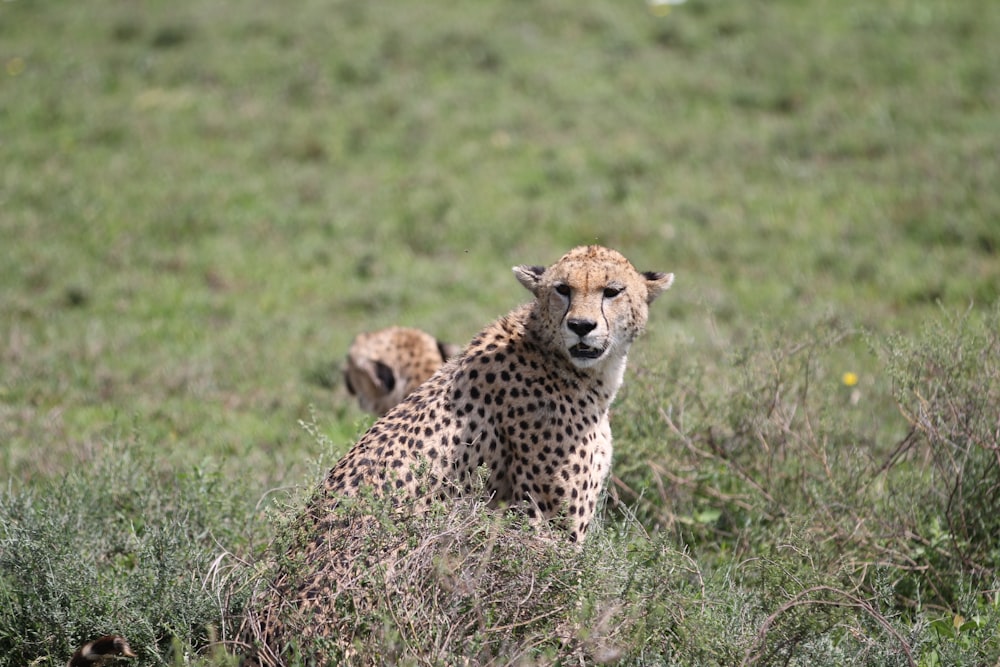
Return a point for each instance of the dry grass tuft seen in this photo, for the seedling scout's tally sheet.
(459, 580)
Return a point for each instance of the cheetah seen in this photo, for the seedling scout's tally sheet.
(525, 405)
(384, 366)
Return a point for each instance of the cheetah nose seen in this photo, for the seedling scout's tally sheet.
(581, 327)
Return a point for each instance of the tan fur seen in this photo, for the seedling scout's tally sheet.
(527, 400)
(383, 367)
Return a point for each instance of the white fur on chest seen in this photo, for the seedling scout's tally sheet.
(611, 374)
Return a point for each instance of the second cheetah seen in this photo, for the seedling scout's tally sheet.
(384, 366)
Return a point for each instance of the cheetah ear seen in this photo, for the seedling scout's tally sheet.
(383, 376)
(447, 350)
(529, 276)
(656, 284)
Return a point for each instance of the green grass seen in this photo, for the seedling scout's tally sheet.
(202, 203)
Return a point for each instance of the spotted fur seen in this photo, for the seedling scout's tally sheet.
(527, 401)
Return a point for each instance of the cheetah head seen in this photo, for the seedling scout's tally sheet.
(594, 302)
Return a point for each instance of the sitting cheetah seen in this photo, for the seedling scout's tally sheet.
(384, 366)
(527, 402)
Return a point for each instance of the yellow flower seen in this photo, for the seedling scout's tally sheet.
(849, 379)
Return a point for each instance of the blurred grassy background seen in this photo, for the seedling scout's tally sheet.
(202, 203)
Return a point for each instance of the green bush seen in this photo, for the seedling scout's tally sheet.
(947, 384)
(853, 525)
(116, 547)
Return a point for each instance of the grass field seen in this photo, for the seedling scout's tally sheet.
(202, 203)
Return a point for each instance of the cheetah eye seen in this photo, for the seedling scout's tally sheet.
(562, 289)
(612, 292)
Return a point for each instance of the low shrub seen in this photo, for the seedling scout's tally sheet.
(117, 547)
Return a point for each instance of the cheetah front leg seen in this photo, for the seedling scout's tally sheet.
(565, 490)
(596, 464)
